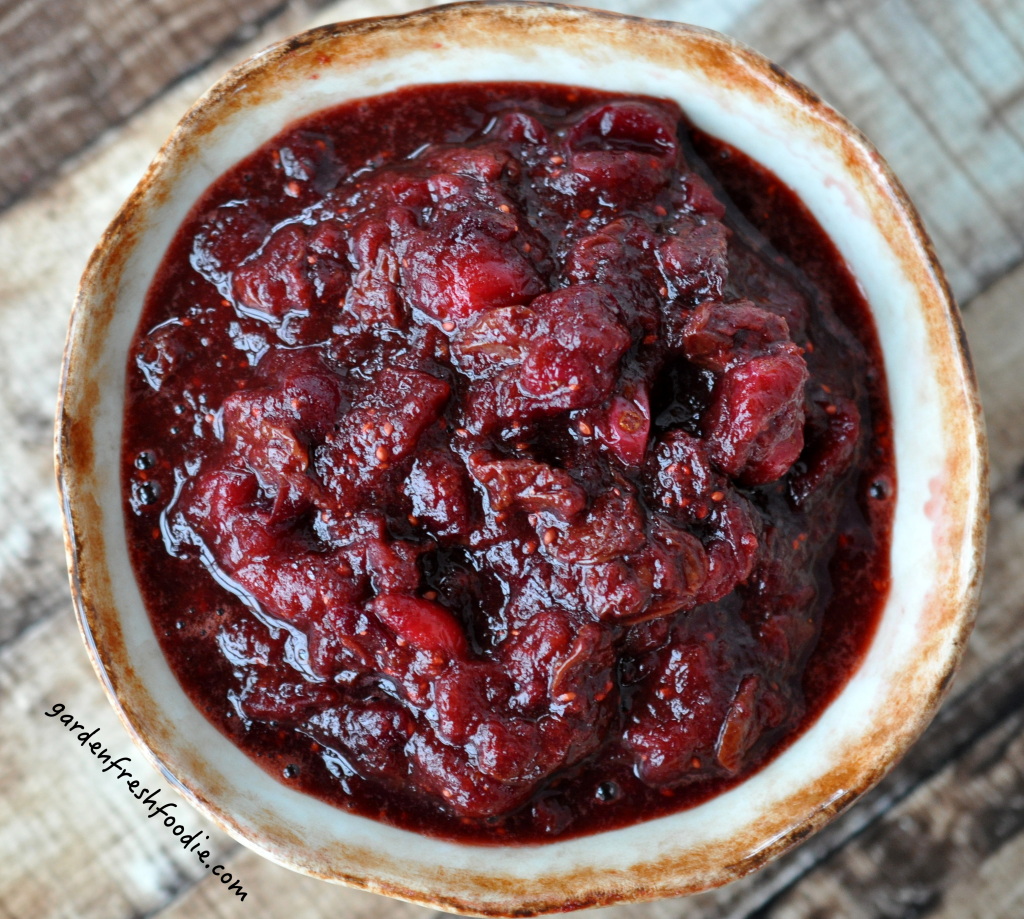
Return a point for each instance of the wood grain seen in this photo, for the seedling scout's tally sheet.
(73, 70)
(939, 86)
(942, 116)
(75, 842)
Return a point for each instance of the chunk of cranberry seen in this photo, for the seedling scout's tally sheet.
(739, 728)
(700, 197)
(585, 672)
(531, 486)
(485, 163)
(779, 593)
(626, 126)
(620, 153)
(772, 284)
(833, 436)
(223, 506)
(373, 300)
(521, 128)
(274, 284)
(440, 493)
(681, 480)
(557, 667)
(364, 549)
(310, 157)
(718, 336)
(613, 527)
(447, 773)
(755, 423)
(622, 254)
(512, 750)
(532, 653)
(733, 547)
(467, 260)
(217, 513)
(372, 734)
(342, 643)
(424, 625)
(227, 236)
(494, 339)
(674, 567)
(271, 427)
(276, 696)
(464, 697)
(613, 179)
(677, 715)
(577, 345)
(614, 592)
(387, 418)
(624, 427)
(694, 262)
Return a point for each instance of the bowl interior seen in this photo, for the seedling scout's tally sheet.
(730, 93)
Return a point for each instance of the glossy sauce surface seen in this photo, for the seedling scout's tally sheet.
(507, 462)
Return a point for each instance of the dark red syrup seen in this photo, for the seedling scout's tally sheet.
(507, 462)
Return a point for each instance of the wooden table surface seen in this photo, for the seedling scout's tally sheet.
(88, 91)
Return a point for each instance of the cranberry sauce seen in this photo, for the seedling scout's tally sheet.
(507, 462)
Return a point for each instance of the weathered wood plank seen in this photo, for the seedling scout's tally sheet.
(71, 70)
(907, 37)
(786, 31)
(932, 845)
(873, 82)
(74, 841)
(940, 89)
(276, 892)
(1010, 15)
(975, 35)
(995, 328)
(993, 889)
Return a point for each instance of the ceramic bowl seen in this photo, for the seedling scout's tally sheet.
(938, 534)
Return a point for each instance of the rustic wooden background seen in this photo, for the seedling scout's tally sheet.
(89, 89)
